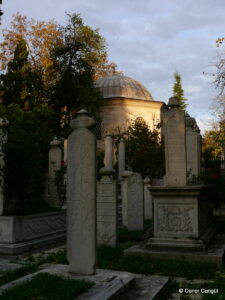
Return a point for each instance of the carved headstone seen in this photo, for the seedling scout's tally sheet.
(109, 152)
(147, 199)
(55, 158)
(106, 211)
(81, 196)
(193, 144)
(3, 140)
(132, 201)
(121, 156)
(175, 145)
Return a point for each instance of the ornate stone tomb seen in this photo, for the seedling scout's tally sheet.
(182, 217)
(19, 234)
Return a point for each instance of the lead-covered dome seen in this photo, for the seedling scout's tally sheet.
(120, 86)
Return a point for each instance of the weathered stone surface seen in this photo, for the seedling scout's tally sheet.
(193, 145)
(106, 212)
(109, 153)
(15, 229)
(20, 234)
(81, 196)
(213, 254)
(55, 158)
(175, 146)
(147, 199)
(182, 217)
(121, 156)
(132, 201)
(107, 283)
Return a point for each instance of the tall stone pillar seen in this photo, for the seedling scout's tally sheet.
(81, 196)
(193, 147)
(121, 156)
(55, 158)
(109, 153)
(175, 145)
(3, 140)
(148, 207)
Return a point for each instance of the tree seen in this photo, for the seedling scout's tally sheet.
(26, 158)
(20, 84)
(178, 91)
(75, 61)
(1, 13)
(40, 37)
(213, 142)
(144, 149)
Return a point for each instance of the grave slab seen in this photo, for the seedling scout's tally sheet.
(213, 254)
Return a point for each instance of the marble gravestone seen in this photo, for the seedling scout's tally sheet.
(175, 145)
(182, 214)
(148, 207)
(132, 201)
(193, 146)
(106, 211)
(121, 160)
(109, 153)
(81, 196)
(55, 158)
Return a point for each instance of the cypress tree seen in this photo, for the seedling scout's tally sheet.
(20, 84)
(178, 91)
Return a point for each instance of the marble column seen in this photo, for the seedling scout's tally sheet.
(175, 144)
(81, 196)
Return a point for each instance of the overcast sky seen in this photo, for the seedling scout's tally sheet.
(149, 40)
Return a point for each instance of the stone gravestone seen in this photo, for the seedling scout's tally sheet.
(175, 145)
(81, 196)
(182, 214)
(121, 160)
(148, 207)
(132, 201)
(3, 139)
(193, 146)
(106, 210)
(55, 158)
(109, 153)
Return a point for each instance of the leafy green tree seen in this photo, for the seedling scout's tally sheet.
(144, 149)
(20, 84)
(178, 91)
(74, 63)
(26, 158)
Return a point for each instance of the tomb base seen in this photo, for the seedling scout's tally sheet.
(183, 218)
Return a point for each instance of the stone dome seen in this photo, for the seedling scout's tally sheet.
(120, 86)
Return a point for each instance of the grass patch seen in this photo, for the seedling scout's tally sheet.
(125, 235)
(20, 272)
(220, 224)
(219, 283)
(47, 287)
(167, 291)
(55, 258)
(113, 258)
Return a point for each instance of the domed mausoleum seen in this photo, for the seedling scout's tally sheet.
(126, 99)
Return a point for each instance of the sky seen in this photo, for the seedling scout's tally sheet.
(149, 40)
